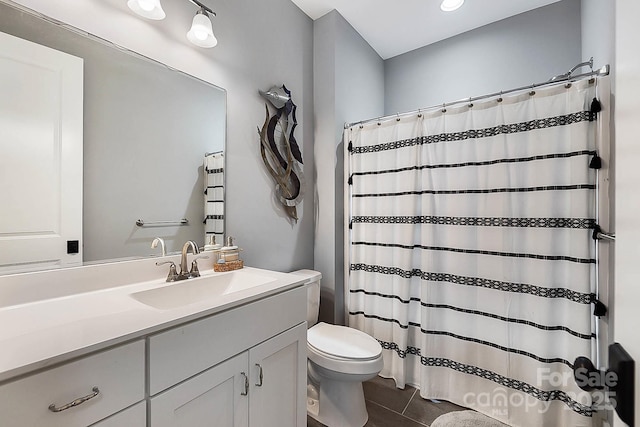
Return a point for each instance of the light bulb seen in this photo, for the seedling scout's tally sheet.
(150, 9)
(200, 33)
(146, 5)
(450, 5)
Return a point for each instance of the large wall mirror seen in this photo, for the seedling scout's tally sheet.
(146, 129)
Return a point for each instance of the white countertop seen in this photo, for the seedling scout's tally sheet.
(42, 332)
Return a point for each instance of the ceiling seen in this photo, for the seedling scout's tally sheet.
(399, 26)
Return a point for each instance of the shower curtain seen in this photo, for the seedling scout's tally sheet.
(470, 252)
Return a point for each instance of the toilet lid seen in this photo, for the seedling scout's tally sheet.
(342, 341)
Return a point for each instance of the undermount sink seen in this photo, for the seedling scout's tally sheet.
(192, 291)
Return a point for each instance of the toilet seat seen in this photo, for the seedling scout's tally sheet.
(343, 342)
(343, 349)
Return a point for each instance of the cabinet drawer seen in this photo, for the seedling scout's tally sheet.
(118, 374)
(182, 352)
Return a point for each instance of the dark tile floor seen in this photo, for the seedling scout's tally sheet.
(389, 406)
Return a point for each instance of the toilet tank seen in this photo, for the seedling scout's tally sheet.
(312, 283)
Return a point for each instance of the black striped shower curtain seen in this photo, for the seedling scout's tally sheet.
(470, 252)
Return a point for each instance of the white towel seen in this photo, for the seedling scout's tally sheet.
(214, 161)
(215, 226)
(215, 179)
(214, 209)
(214, 195)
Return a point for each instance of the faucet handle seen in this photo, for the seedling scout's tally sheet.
(173, 273)
(194, 266)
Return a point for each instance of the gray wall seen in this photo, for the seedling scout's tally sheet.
(261, 43)
(530, 47)
(598, 24)
(348, 84)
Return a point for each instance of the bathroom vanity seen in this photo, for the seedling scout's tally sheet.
(229, 348)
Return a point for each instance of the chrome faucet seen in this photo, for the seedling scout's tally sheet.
(184, 268)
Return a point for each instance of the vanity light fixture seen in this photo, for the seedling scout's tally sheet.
(201, 32)
(151, 9)
(450, 5)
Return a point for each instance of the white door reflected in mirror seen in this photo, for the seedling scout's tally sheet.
(41, 137)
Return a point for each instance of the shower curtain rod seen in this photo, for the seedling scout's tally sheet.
(567, 77)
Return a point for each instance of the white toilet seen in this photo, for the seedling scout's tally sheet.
(339, 360)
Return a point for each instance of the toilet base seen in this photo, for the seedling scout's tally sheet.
(338, 404)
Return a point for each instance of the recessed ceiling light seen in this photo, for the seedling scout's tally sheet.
(451, 5)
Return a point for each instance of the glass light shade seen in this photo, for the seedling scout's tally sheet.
(151, 9)
(450, 5)
(201, 32)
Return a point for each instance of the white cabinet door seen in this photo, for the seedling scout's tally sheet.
(41, 138)
(217, 397)
(278, 380)
(182, 352)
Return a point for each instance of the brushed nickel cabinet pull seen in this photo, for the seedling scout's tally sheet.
(259, 384)
(246, 384)
(78, 401)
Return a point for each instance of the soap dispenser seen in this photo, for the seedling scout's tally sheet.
(211, 243)
(228, 257)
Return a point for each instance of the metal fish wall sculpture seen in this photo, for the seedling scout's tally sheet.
(279, 149)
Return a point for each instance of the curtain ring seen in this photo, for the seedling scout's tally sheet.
(499, 98)
(470, 103)
(567, 86)
(397, 117)
(532, 92)
(444, 110)
(419, 113)
(361, 126)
